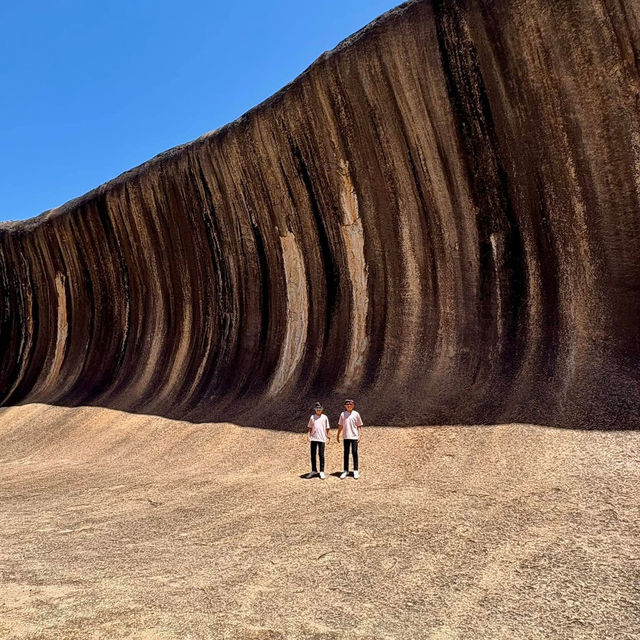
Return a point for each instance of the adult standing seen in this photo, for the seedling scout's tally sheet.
(350, 424)
(318, 434)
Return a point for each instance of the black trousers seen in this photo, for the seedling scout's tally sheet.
(319, 447)
(353, 445)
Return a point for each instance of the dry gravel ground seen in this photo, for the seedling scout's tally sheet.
(125, 526)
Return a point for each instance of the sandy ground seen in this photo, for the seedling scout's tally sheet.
(122, 526)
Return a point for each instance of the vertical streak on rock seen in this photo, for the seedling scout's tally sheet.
(409, 233)
(42, 273)
(109, 210)
(22, 316)
(411, 290)
(428, 223)
(192, 356)
(353, 241)
(347, 303)
(8, 319)
(177, 277)
(497, 255)
(495, 213)
(215, 291)
(297, 315)
(152, 323)
(93, 286)
(61, 336)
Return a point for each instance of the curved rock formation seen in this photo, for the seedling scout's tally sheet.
(440, 217)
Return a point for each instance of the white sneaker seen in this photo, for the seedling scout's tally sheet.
(322, 476)
(356, 475)
(343, 475)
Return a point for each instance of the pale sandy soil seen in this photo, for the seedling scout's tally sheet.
(121, 526)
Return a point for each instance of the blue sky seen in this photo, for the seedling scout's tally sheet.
(93, 88)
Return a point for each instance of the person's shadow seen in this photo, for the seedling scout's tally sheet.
(335, 474)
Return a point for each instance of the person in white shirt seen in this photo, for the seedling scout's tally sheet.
(318, 435)
(350, 424)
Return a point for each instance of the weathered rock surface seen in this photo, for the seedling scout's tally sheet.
(440, 217)
(130, 527)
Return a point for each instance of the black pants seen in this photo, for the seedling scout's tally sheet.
(319, 447)
(354, 449)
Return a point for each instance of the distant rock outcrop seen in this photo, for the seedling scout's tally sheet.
(440, 217)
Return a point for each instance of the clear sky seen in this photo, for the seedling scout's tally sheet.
(91, 88)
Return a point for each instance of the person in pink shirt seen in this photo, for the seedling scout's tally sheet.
(318, 435)
(350, 424)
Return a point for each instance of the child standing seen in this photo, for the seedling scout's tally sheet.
(318, 435)
(351, 424)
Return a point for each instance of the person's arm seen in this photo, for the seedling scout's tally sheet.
(328, 430)
(359, 425)
(309, 429)
(340, 423)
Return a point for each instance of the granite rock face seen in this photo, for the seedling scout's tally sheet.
(440, 217)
